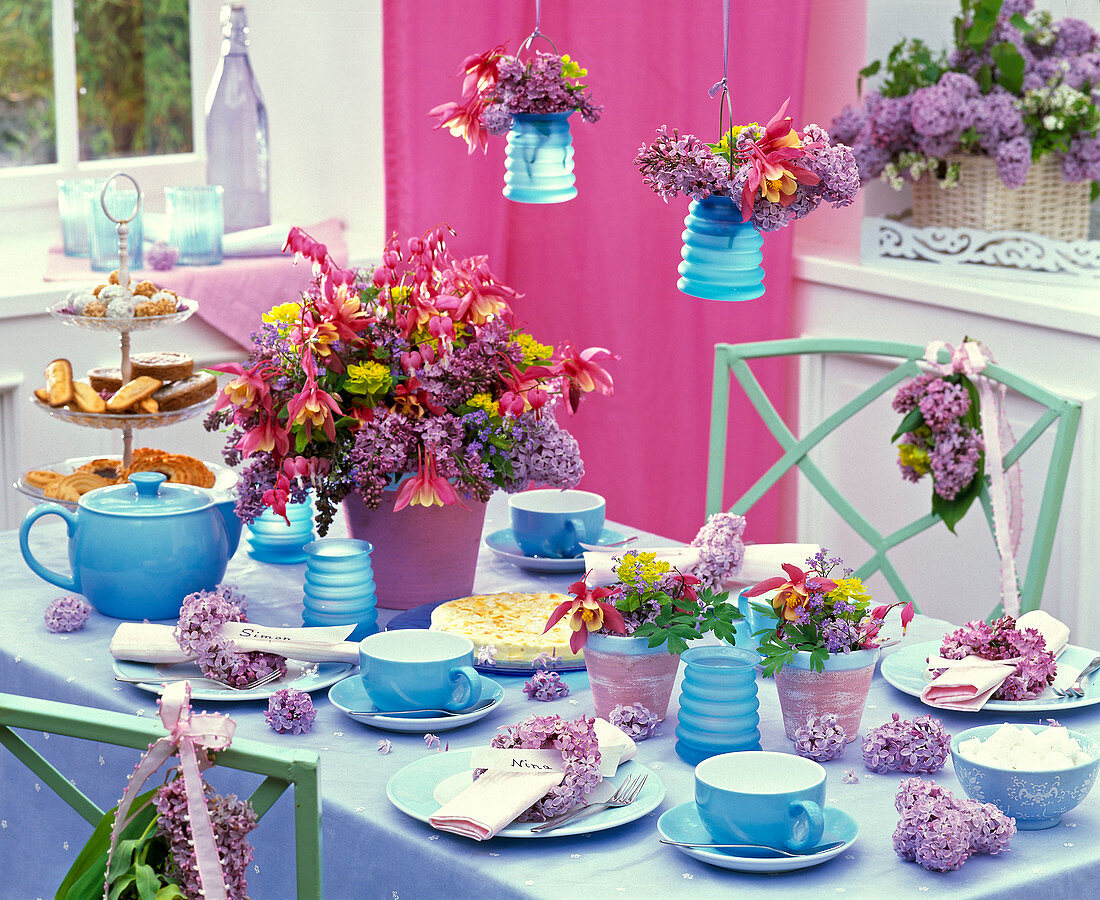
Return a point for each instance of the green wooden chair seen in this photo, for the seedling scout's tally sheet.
(281, 768)
(732, 360)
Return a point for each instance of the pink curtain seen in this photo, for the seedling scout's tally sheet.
(601, 269)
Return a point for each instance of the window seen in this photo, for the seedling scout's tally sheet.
(85, 84)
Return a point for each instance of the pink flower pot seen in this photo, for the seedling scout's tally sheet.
(626, 670)
(422, 553)
(841, 689)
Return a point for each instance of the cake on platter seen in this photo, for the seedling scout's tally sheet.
(510, 623)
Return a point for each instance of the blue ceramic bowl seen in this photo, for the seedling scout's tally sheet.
(1035, 799)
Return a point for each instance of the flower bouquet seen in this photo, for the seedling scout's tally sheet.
(818, 614)
(410, 375)
(498, 87)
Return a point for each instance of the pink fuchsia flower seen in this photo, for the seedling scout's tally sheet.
(773, 173)
(587, 612)
(247, 390)
(426, 487)
(793, 592)
(268, 436)
(581, 373)
(313, 407)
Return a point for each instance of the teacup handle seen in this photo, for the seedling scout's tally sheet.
(472, 693)
(68, 582)
(810, 812)
(575, 533)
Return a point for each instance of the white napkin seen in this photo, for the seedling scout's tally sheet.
(966, 684)
(1055, 633)
(499, 796)
(267, 240)
(152, 643)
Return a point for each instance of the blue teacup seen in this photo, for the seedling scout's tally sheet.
(418, 669)
(552, 523)
(759, 797)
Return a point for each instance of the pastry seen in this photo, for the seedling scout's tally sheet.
(105, 378)
(176, 467)
(132, 392)
(145, 288)
(39, 478)
(163, 364)
(188, 392)
(73, 487)
(41, 395)
(59, 383)
(147, 406)
(109, 469)
(95, 308)
(87, 399)
(511, 623)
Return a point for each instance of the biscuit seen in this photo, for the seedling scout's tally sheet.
(165, 365)
(59, 382)
(145, 288)
(41, 395)
(188, 392)
(73, 487)
(176, 467)
(109, 469)
(95, 308)
(132, 392)
(148, 406)
(87, 399)
(105, 378)
(39, 478)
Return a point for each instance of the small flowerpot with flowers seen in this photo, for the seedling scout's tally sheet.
(1000, 134)
(530, 101)
(824, 646)
(634, 631)
(756, 178)
(404, 390)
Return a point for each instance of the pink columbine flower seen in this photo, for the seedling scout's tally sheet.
(587, 612)
(314, 407)
(463, 121)
(793, 591)
(426, 488)
(269, 436)
(247, 390)
(773, 173)
(582, 374)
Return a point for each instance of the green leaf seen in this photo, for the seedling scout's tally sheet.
(1010, 67)
(985, 19)
(676, 645)
(952, 511)
(1094, 192)
(1021, 24)
(84, 880)
(912, 421)
(147, 882)
(171, 892)
(985, 79)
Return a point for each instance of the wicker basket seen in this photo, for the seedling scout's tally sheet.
(1044, 204)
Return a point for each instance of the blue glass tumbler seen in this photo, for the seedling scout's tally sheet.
(197, 223)
(103, 233)
(271, 540)
(539, 159)
(719, 709)
(339, 585)
(722, 255)
(72, 205)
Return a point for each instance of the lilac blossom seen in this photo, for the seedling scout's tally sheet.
(910, 745)
(674, 165)
(820, 738)
(634, 720)
(545, 686)
(67, 614)
(290, 711)
(537, 87)
(954, 459)
(721, 550)
(1003, 640)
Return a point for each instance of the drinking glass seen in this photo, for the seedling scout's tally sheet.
(197, 223)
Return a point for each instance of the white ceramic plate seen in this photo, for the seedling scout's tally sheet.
(349, 695)
(300, 675)
(682, 823)
(904, 669)
(413, 791)
(503, 544)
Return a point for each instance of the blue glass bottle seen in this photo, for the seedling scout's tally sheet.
(539, 159)
(719, 708)
(722, 255)
(271, 540)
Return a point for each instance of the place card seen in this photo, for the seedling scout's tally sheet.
(539, 762)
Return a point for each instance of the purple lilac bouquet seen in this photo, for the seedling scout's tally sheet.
(68, 613)
(941, 435)
(721, 550)
(1003, 640)
(774, 174)
(201, 616)
(290, 711)
(907, 745)
(498, 86)
(579, 750)
(940, 832)
(821, 738)
(1016, 87)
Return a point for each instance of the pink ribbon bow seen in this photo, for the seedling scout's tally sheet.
(1006, 489)
(188, 734)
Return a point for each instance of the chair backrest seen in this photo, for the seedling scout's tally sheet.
(280, 768)
(731, 360)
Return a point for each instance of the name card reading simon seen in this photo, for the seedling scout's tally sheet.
(538, 762)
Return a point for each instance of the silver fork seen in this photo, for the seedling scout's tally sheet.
(259, 682)
(626, 794)
(1076, 690)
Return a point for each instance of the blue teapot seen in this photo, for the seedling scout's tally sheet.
(136, 550)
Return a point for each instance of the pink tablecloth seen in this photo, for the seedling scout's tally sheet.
(232, 296)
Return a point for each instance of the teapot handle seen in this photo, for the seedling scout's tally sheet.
(70, 582)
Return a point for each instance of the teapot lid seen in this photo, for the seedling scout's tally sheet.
(146, 495)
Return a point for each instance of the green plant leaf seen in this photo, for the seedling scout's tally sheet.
(952, 511)
(985, 19)
(1021, 24)
(171, 892)
(147, 882)
(985, 79)
(912, 421)
(84, 880)
(1010, 67)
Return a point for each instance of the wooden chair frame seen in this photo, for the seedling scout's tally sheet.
(281, 768)
(731, 360)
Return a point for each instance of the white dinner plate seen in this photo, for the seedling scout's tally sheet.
(905, 668)
(350, 694)
(302, 676)
(413, 791)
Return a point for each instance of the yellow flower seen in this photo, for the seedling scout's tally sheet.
(483, 401)
(641, 566)
(283, 314)
(851, 590)
(914, 457)
(570, 69)
(369, 378)
(533, 351)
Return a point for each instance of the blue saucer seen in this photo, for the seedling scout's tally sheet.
(350, 694)
(503, 544)
(682, 823)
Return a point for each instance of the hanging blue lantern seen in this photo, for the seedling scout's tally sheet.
(539, 159)
(722, 255)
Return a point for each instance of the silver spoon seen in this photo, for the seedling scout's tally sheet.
(375, 713)
(629, 540)
(820, 848)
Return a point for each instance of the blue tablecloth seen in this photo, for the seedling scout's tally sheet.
(372, 850)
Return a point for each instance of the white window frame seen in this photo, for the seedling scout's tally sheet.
(24, 187)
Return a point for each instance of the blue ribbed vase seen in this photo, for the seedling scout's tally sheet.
(271, 540)
(339, 585)
(719, 709)
(539, 159)
(722, 255)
